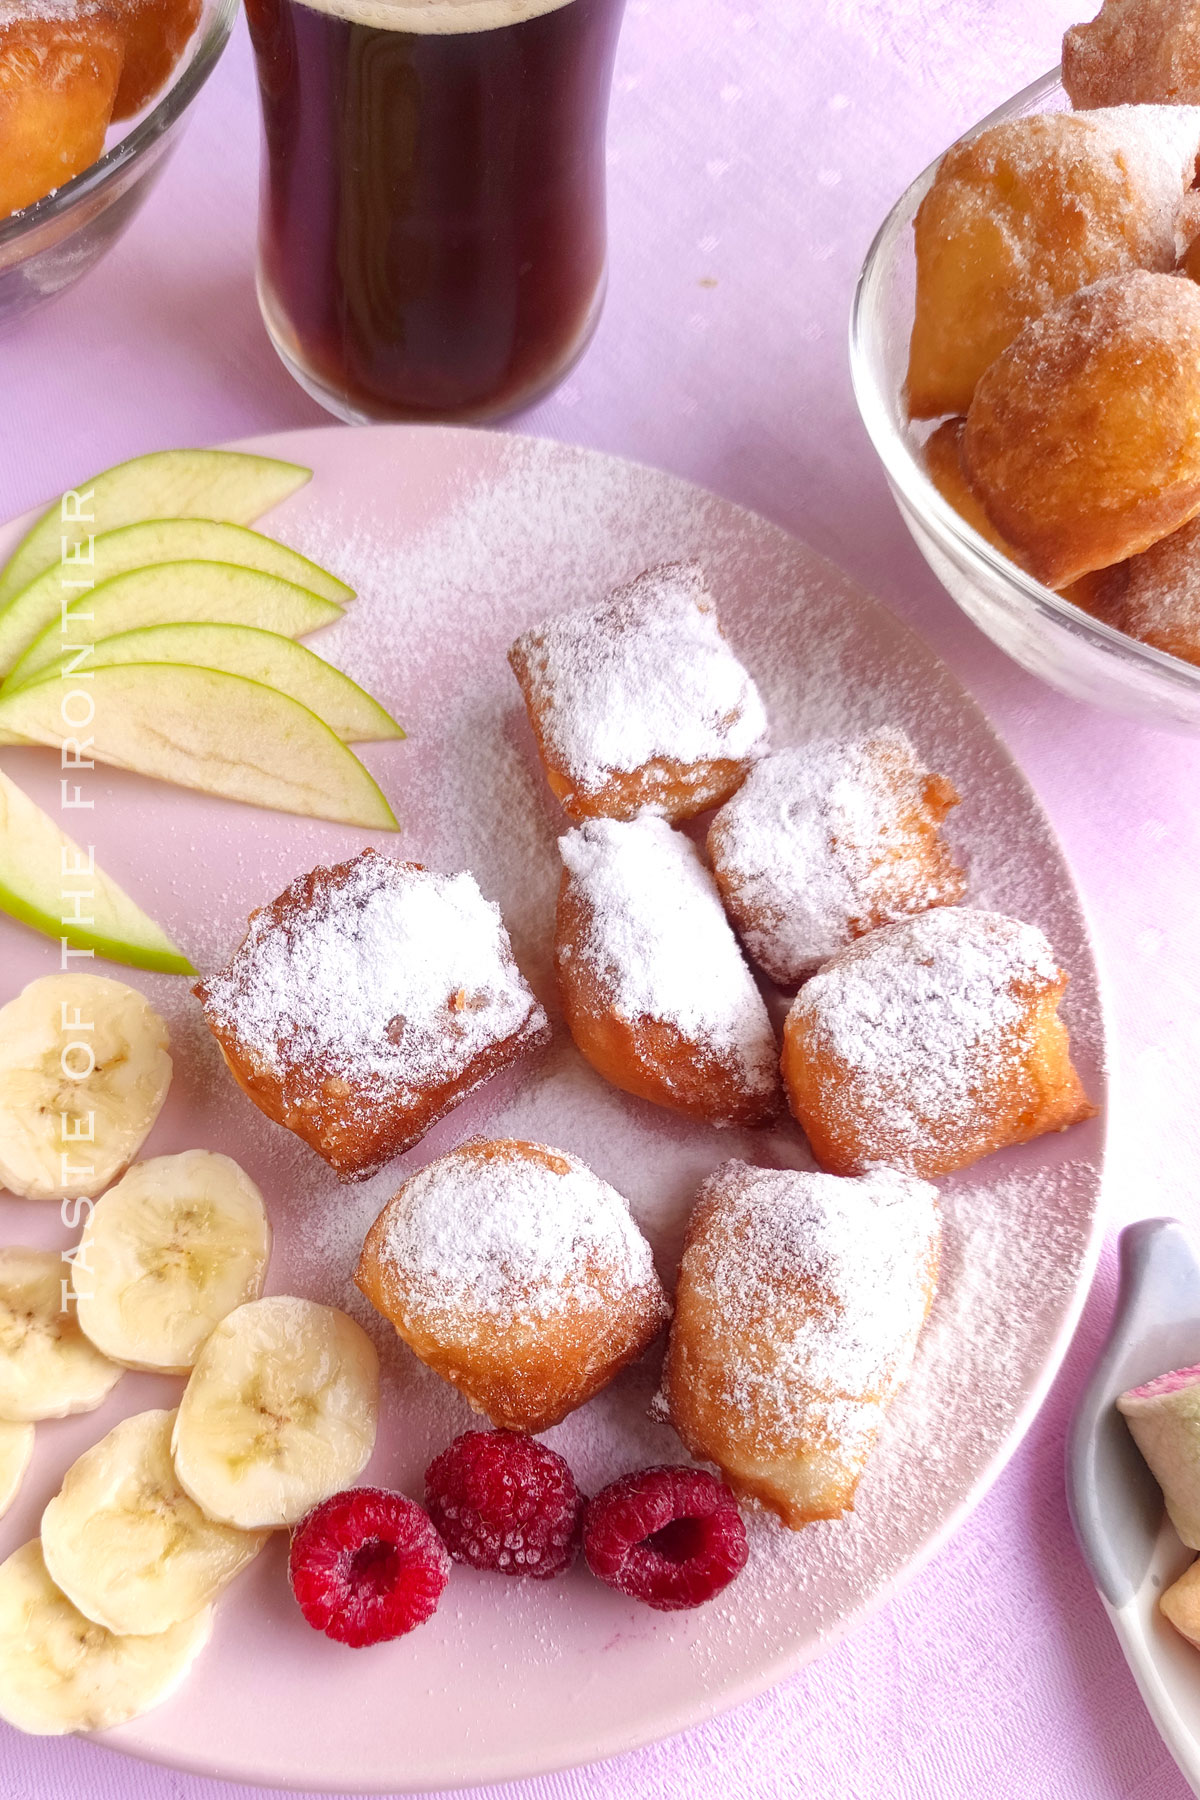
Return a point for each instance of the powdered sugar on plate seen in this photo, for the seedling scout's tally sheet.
(824, 841)
(644, 678)
(659, 944)
(514, 1237)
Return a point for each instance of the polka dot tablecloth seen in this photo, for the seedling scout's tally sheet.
(754, 147)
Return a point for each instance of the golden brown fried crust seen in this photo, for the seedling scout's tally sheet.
(649, 1058)
(1040, 1091)
(1134, 52)
(1083, 438)
(58, 82)
(525, 1376)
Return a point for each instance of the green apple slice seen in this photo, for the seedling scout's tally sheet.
(41, 872)
(203, 728)
(141, 546)
(264, 656)
(174, 594)
(167, 484)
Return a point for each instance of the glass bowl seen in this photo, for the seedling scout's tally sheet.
(1042, 631)
(46, 247)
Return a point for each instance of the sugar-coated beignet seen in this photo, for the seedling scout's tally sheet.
(639, 701)
(1156, 596)
(156, 33)
(518, 1276)
(367, 1001)
(1083, 439)
(1163, 1417)
(828, 840)
(942, 453)
(1028, 212)
(930, 1044)
(58, 82)
(799, 1304)
(1134, 52)
(656, 992)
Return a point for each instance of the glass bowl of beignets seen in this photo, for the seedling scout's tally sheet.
(1081, 640)
(113, 115)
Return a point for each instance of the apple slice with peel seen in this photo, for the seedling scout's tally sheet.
(167, 484)
(203, 728)
(141, 546)
(173, 594)
(265, 656)
(41, 873)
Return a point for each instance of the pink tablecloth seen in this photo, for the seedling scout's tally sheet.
(755, 145)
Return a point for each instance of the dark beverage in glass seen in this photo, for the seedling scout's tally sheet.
(432, 227)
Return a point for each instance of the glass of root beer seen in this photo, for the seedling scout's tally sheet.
(432, 223)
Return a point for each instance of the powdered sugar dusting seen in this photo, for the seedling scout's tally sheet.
(659, 942)
(824, 841)
(927, 1016)
(644, 678)
(817, 1288)
(391, 977)
(519, 1237)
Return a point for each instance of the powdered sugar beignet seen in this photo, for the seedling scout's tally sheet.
(928, 1044)
(829, 840)
(640, 702)
(367, 1001)
(656, 992)
(800, 1301)
(517, 1275)
(1134, 52)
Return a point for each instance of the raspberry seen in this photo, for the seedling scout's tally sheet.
(672, 1537)
(367, 1565)
(503, 1501)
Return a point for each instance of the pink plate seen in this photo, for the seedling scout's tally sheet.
(455, 540)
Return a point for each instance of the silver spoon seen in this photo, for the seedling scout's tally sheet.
(1116, 1506)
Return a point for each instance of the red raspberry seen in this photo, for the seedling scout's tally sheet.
(367, 1565)
(672, 1537)
(503, 1501)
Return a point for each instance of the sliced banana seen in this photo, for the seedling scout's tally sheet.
(84, 1070)
(48, 1368)
(16, 1448)
(124, 1542)
(175, 1246)
(61, 1672)
(279, 1412)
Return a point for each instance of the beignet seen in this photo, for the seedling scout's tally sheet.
(799, 1304)
(656, 992)
(518, 1276)
(942, 454)
(367, 1001)
(1083, 438)
(829, 840)
(639, 701)
(1156, 596)
(930, 1044)
(1028, 212)
(1134, 52)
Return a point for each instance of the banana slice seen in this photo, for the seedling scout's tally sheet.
(124, 1542)
(60, 1672)
(279, 1412)
(47, 1367)
(84, 1070)
(175, 1246)
(16, 1448)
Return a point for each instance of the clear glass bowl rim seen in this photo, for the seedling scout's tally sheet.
(907, 473)
(163, 115)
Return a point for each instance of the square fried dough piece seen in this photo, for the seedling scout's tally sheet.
(656, 992)
(639, 701)
(1028, 212)
(931, 1043)
(367, 1001)
(799, 1304)
(518, 1276)
(828, 840)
